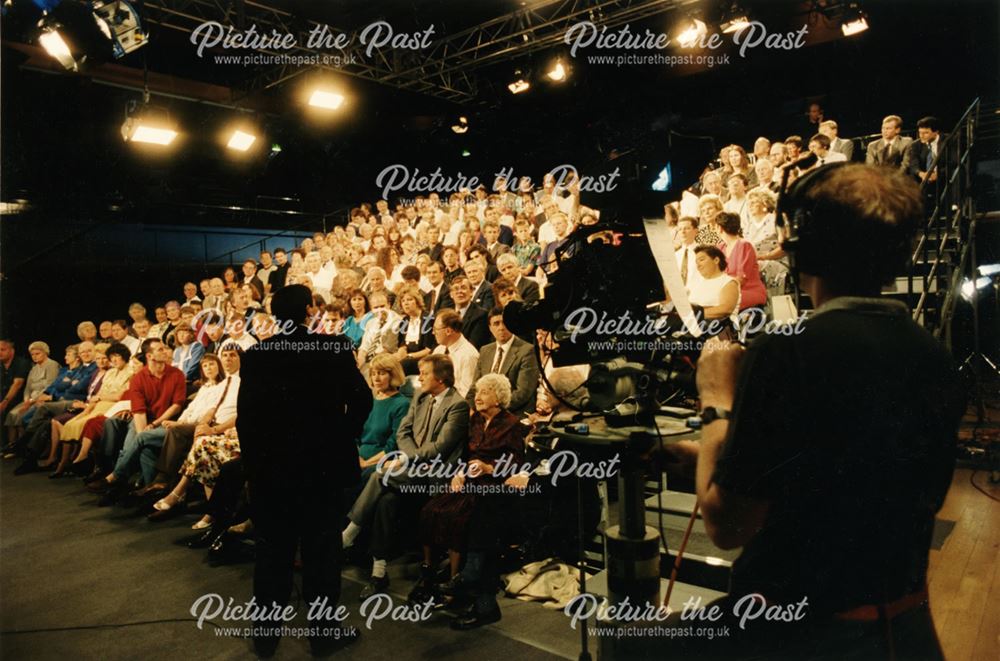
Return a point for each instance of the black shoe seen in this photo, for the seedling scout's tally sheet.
(96, 474)
(79, 469)
(265, 648)
(55, 475)
(28, 466)
(99, 486)
(375, 586)
(453, 586)
(113, 494)
(205, 539)
(475, 620)
(324, 647)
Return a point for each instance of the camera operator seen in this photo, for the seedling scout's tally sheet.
(839, 448)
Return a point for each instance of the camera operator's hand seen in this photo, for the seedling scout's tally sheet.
(717, 369)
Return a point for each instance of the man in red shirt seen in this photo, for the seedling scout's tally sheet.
(157, 394)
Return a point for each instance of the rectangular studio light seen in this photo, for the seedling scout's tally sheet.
(56, 46)
(518, 86)
(153, 135)
(241, 141)
(327, 100)
(855, 26)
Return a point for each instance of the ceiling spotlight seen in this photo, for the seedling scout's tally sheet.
(466, 153)
(520, 83)
(148, 124)
(76, 33)
(735, 19)
(854, 21)
(690, 32)
(461, 126)
(241, 141)
(275, 148)
(558, 72)
(326, 99)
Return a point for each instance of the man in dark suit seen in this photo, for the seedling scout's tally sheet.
(439, 296)
(515, 359)
(890, 149)
(511, 270)
(301, 404)
(482, 292)
(434, 429)
(473, 317)
(924, 150)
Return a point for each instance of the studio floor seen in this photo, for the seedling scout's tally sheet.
(81, 582)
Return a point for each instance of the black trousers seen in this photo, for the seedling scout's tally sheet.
(225, 501)
(287, 516)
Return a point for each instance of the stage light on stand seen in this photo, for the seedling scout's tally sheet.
(854, 21)
(462, 126)
(326, 99)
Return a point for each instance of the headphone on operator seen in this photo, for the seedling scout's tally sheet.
(815, 231)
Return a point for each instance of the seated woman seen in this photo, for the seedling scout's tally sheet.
(709, 206)
(113, 384)
(717, 294)
(202, 465)
(759, 229)
(354, 325)
(741, 263)
(494, 433)
(378, 437)
(43, 372)
(200, 419)
(415, 333)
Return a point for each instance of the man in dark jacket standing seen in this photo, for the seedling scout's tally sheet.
(302, 403)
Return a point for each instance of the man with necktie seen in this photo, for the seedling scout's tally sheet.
(890, 149)
(434, 431)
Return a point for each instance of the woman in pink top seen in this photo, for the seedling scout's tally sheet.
(741, 261)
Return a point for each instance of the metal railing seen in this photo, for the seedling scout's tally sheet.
(944, 248)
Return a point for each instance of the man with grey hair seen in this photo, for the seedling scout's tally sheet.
(510, 269)
(845, 147)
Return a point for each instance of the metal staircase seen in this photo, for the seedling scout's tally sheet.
(945, 247)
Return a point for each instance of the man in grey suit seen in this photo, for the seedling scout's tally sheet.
(434, 430)
(890, 150)
(515, 359)
(837, 144)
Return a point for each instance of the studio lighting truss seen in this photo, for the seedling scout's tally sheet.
(78, 33)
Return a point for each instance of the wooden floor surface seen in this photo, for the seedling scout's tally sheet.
(964, 578)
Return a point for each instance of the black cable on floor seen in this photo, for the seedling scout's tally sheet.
(972, 481)
(119, 625)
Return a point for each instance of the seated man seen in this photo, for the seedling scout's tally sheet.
(434, 430)
(212, 412)
(451, 342)
(473, 317)
(157, 394)
(515, 359)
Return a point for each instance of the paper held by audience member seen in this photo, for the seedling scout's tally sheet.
(689, 204)
(662, 246)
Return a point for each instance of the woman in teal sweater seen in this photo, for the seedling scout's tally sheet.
(378, 437)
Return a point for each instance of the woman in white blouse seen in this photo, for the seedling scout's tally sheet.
(716, 293)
